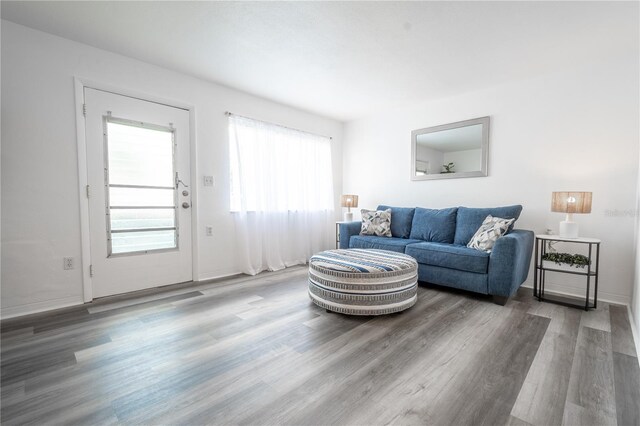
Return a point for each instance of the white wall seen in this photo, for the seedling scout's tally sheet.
(40, 202)
(576, 130)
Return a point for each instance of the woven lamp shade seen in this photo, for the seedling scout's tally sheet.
(349, 201)
(571, 202)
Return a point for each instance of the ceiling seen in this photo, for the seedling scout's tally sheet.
(453, 140)
(345, 60)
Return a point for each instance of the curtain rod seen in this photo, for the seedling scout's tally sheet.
(267, 122)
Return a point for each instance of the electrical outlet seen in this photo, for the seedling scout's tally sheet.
(208, 181)
(209, 230)
(67, 263)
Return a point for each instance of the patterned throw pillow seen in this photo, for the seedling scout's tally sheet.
(491, 229)
(376, 222)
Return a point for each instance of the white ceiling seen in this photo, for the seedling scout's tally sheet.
(347, 59)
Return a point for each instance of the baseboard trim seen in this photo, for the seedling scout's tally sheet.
(219, 276)
(579, 293)
(203, 279)
(40, 307)
(634, 333)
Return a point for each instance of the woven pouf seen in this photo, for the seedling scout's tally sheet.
(363, 282)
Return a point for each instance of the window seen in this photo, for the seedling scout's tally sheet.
(141, 212)
(281, 193)
(277, 169)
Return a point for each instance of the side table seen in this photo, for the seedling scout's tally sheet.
(589, 272)
(338, 232)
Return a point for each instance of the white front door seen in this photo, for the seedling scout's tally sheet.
(138, 168)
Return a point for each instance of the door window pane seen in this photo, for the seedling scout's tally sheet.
(142, 218)
(126, 242)
(141, 197)
(140, 156)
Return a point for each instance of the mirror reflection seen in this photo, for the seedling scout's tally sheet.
(451, 150)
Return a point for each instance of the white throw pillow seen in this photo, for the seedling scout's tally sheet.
(491, 229)
(376, 222)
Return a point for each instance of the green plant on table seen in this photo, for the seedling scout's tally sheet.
(578, 260)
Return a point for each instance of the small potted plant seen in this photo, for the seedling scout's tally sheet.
(448, 168)
(565, 261)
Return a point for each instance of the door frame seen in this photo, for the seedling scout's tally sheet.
(85, 231)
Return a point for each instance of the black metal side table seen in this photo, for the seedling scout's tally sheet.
(541, 269)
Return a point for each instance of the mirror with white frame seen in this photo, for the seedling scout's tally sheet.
(452, 150)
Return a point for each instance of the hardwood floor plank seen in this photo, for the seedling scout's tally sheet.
(621, 335)
(498, 373)
(576, 415)
(627, 376)
(11, 392)
(133, 299)
(514, 421)
(598, 319)
(36, 347)
(542, 396)
(16, 334)
(31, 321)
(591, 393)
(23, 368)
(200, 398)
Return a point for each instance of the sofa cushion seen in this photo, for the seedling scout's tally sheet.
(401, 218)
(449, 256)
(376, 222)
(435, 225)
(381, 243)
(470, 219)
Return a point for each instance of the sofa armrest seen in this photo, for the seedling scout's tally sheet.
(509, 262)
(347, 230)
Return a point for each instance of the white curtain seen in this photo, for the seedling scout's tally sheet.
(281, 194)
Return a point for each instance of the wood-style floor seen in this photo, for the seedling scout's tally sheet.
(254, 350)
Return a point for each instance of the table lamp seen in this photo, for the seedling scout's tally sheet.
(349, 201)
(570, 203)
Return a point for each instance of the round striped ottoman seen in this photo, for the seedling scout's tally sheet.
(363, 282)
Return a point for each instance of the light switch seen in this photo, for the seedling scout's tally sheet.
(208, 181)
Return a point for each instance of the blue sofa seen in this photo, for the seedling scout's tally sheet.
(437, 239)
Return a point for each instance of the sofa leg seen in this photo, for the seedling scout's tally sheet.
(500, 300)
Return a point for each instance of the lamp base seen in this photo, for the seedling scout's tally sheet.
(348, 217)
(568, 229)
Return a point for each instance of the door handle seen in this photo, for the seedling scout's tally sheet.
(178, 182)
(186, 205)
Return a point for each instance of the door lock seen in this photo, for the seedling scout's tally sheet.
(185, 193)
